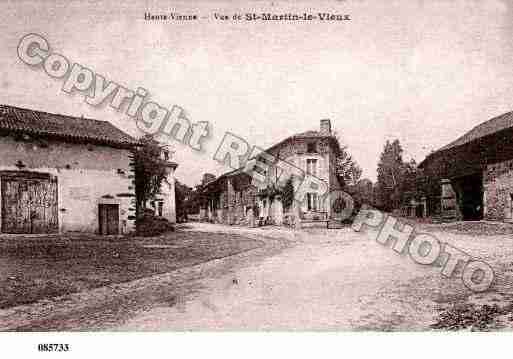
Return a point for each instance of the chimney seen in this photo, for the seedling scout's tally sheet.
(325, 127)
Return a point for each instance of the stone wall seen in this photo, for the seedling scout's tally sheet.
(498, 189)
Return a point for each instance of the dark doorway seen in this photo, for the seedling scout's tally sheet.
(469, 190)
(419, 211)
(109, 219)
(160, 205)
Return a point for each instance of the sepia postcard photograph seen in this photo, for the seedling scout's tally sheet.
(259, 167)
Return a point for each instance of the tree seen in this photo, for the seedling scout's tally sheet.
(194, 200)
(347, 170)
(389, 174)
(150, 171)
(183, 194)
(397, 180)
(364, 192)
(409, 181)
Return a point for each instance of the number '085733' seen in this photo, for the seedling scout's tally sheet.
(53, 347)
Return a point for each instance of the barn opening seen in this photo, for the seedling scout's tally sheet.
(469, 190)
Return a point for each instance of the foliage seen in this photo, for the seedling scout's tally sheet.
(428, 184)
(389, 169)
(288, 194)
(150, 171)
(409, 181)
(396, 178)
(347, 169)
(387, 180)
(470, 316)
(362, 193)
(365, 191)
(271, 191)
(183, 193)
(195, 199)
(149, 225)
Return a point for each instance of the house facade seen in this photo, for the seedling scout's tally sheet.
(473, 176)
(234, 198)
(60, 173)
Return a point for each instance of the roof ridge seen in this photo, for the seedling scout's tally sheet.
(81, 117)
(476, 127)
(489, 127)
(14, 118)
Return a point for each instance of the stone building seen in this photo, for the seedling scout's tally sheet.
(233, 198)
(473, 176)
(60, 173)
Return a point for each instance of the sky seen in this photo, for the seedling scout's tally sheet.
(424, 72)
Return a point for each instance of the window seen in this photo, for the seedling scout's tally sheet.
(311, 199)
(311, 147)
(165, 155)
(311, 166)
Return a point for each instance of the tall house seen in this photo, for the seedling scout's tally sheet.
(233, 197)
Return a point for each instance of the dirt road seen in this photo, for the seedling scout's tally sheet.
(297, 280)
(340, 281)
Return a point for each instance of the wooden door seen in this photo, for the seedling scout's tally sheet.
(29, 205)
(109, 219)
(43, 206)
(15, 209)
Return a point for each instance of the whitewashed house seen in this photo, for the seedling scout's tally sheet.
(61, 173)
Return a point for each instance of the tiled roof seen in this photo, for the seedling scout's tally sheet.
(21, 120)
(489, 127)
(226, 174)
(308, 134)
(302, 135)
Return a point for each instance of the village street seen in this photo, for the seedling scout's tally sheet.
(328, 280)
(314, 279)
